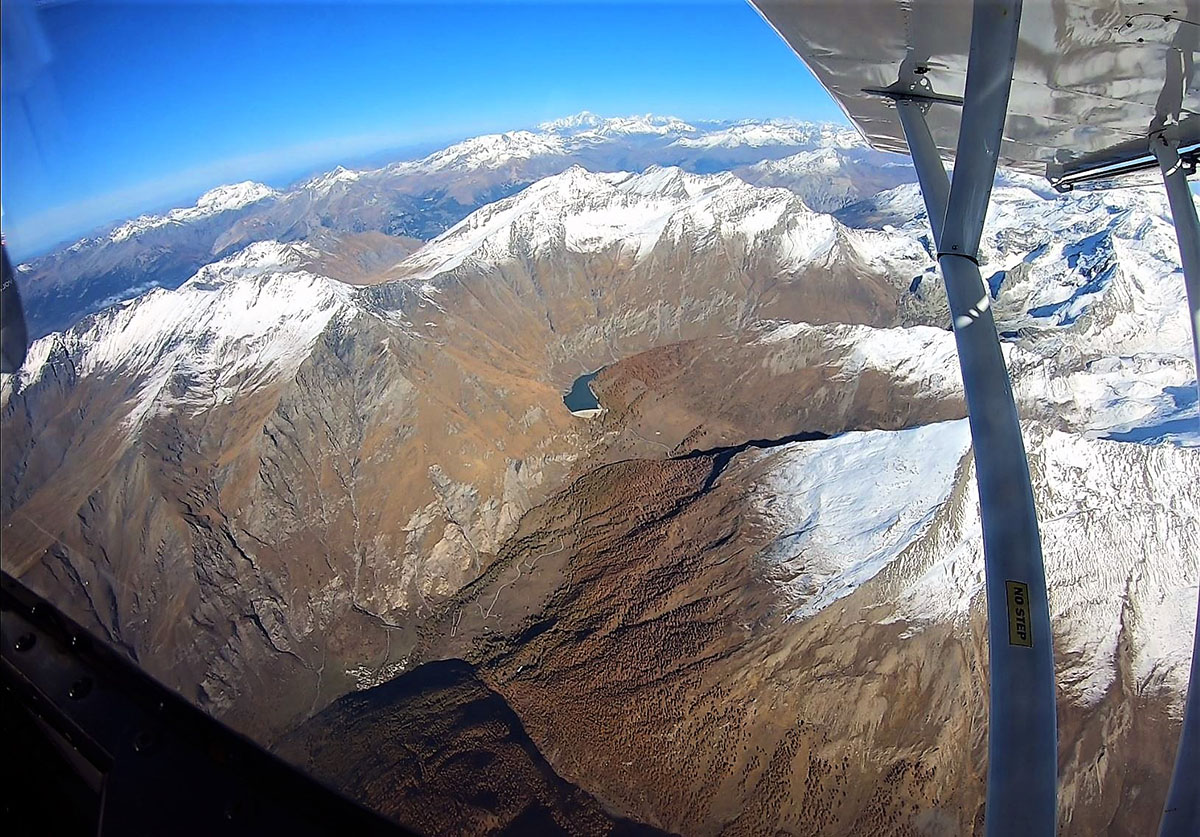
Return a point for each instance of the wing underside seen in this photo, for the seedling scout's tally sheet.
(1093, 79)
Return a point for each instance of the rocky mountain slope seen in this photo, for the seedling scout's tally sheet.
(1087, 288)
(742, 598)
(672, 666)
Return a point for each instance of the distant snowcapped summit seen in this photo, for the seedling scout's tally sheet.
(776, 132)
(583, 120)
(324, 182)
(609, 126)
(833, 174)
(672, 141)
(235, 196)
(488, 151)
(213, 202)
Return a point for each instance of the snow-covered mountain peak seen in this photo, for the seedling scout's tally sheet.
(647, 124)
(261, 257)
(675, 183)
(322, 183)
(759, 134)
(822, 159)
(588, 212)
(584, 211)
(587, 132)
(583, 120)
(831, 175)
(586, 121)
(242, 322)
(490, 151)
(213, 202)
(233, 196)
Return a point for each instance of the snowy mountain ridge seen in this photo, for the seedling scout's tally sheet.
(249, 318)
(583, 131)
(239, 324)
(588, 122)
(213, 202)
(552, 139)
(419, 199)
(582, 211)
(1089, 281)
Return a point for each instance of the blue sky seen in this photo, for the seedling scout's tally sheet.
(115, 109)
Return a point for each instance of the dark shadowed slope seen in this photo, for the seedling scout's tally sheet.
(442, 753)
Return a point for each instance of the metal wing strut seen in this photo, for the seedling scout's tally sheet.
(1022, 731)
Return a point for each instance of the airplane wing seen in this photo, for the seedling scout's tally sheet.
(1093, 78)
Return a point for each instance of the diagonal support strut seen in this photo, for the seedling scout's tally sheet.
(1022, 732)
(1181, 814)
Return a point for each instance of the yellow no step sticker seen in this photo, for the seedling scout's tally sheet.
(1019, 630)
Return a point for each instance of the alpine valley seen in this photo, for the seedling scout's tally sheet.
(303, 455)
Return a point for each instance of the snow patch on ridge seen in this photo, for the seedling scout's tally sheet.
(850, 505)
(918, 355)
(902, 506)
(854, 506)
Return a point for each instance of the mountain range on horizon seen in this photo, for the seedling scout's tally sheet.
(303, 454)
(409, 200)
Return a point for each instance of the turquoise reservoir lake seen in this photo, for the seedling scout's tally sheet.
(581, 396)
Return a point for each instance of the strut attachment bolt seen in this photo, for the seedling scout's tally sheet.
(80, 689)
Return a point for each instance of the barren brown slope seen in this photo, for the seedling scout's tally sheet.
(251, 553)
(566, 309)
(441, 753)
(631, 627)
(718, 391)
(660, 675)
